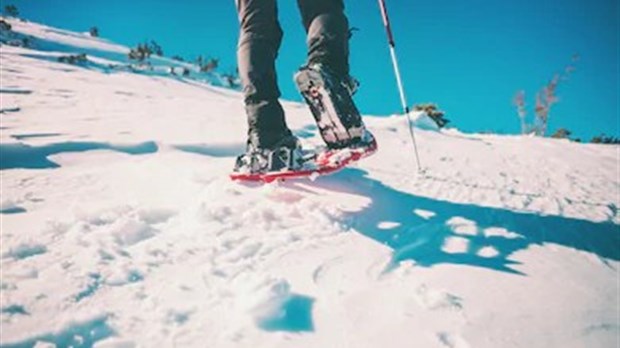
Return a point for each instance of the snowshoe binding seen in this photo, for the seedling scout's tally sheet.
(286, 155)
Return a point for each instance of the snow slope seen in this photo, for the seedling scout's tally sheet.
(121, 229)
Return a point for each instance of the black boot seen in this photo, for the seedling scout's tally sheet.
(329, 97)
(285, 154)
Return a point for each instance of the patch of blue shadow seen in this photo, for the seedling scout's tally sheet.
(12, 210)
(295, 315)
(91, 288)
(14, 310)
(34, 135)
(421, 240)
(227, 150)
(26, 251)
(82, 335)
(22, 156)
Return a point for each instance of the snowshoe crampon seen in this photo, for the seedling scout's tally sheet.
(324, 162)
(329, 98)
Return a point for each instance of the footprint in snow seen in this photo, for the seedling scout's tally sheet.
(451, 340)
(26, 250)
(319, 273)
(14, 309)
(432, 299)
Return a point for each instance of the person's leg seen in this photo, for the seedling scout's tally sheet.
(260, 36)
(327, 28)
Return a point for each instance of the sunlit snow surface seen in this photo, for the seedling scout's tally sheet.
(120, 227)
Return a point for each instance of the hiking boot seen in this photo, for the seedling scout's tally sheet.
(360, 148)
(350, 83)
(367, 142)
(286, 154)
(328, 95)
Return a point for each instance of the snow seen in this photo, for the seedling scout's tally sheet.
(425, 214)
(120, 227)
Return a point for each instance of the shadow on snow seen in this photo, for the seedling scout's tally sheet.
(295, 315)
(35, 157)
(412, 237)
(84, 334)
(223, 150)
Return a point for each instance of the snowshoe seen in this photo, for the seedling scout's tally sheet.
(317, 163)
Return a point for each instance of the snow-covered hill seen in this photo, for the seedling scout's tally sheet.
(121, 229)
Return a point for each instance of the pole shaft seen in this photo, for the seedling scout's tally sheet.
(399, 81)
(403, 100)
(386, 23)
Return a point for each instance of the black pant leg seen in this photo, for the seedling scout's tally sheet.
(327, 29)
(260, 36)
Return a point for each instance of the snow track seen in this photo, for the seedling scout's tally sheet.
(121, 229)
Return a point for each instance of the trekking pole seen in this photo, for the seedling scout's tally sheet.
(399, 82)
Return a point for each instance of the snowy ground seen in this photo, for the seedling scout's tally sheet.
(121, 229)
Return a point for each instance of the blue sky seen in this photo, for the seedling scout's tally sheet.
(469, 57)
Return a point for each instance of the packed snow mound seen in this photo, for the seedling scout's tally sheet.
(120, 227)
(421, 120)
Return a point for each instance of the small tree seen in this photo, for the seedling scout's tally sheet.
(94, 32)
(5, 26)
(140, 53)
(77, 59)
(604, 139)
(232, 79)
(433, 112)
(27, 41)
(561, 133)
(211, 65)
(144, 51)
(178, 58)
(208, 65)
(156, 48)
(11, 11)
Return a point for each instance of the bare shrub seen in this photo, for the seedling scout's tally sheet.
(207, 65)
(5, 26)
(545, 99)
(76, 59)
(11, 11)
(144, 50)
(604, 139)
